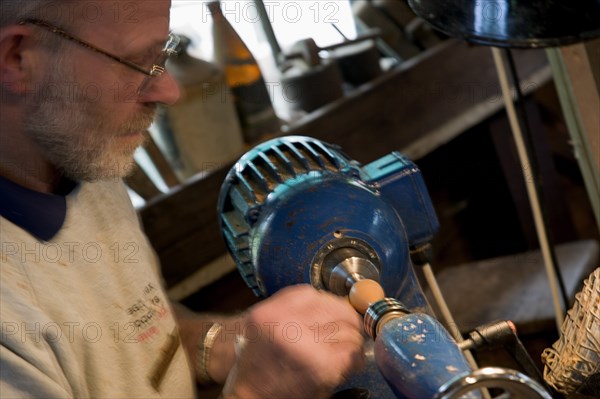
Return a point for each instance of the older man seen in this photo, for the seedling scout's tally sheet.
(82, 310)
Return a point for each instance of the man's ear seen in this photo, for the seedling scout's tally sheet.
(15, 43)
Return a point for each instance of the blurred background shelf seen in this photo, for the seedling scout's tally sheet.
(414, 109)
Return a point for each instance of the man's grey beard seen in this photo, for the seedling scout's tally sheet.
(77, 135)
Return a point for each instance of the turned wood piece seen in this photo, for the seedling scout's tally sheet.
(363, 293)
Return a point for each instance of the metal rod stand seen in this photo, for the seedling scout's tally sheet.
(533, 187)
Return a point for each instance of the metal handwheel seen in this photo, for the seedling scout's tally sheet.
(511, 381)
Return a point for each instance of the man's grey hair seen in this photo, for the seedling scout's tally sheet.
(53, 11)
(56, 12)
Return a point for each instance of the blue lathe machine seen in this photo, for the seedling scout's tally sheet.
(296, 210)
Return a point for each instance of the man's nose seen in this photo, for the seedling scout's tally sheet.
(162, 89)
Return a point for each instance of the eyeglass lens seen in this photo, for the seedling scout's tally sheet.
(158, 67)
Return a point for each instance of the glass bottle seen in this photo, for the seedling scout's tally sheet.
(244, 77)
(201, 131)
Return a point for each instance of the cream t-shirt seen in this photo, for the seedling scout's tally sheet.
(84, 315)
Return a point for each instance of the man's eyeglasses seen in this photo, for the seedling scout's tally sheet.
(157, 68)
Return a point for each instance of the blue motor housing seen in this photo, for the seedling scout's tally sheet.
(293, 208)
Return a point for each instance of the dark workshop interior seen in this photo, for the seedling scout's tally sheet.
(438, 101)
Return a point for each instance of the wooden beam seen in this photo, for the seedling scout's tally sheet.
(139, 182)
(577, 81)
(183, 227)
(579, 60)
(423, 104)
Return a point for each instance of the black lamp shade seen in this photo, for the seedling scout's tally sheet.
(517, 23)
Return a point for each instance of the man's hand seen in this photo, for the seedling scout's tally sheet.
(300, 343)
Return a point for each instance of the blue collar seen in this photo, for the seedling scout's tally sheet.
(40, 214)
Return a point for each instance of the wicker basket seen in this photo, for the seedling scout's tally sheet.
(576, 355)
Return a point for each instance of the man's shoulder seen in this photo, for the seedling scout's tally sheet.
(109, 188)
(106, 196)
